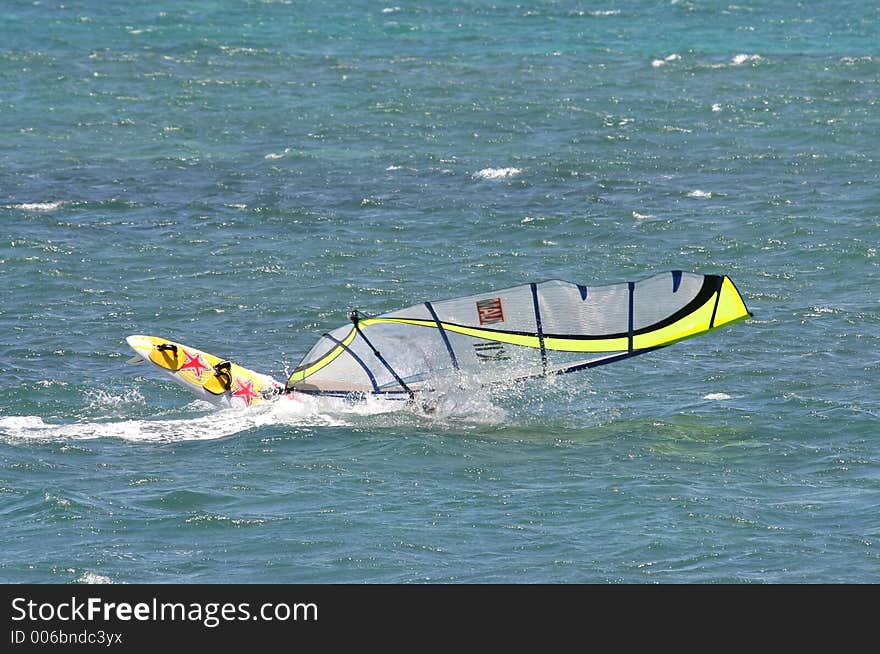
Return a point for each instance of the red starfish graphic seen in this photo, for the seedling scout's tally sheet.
(194, 363)
(245, 390)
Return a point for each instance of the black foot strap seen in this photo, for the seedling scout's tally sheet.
(222, 371)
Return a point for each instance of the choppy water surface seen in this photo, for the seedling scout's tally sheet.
(239, 175)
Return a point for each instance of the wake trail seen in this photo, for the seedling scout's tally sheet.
(218, 424)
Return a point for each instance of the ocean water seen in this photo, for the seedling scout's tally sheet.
(238, 175)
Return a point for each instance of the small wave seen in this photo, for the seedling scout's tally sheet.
(497, 173)
(642, 216)
(274, 156)
(662, 62)
(56, 500)
(462, 404)
(101, 399)
(717, 396)
(741, 59)
(596, 13)
(47, 383)
(38, 206)
(89, 577)
(697, 193)
(849, 61)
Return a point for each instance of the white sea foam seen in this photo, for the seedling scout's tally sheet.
(642, 216)
(102, 399)
(461, 398)
(274, 156)
(597, 13)
(717, 396)
(697, 193)
(303, 411)
(716, 107)
(497, 173)
(661, 62)
(200, 421)
(215, 425)
(39, 206)
(47, 383)
(89, 577)
(34, 428)
(741, 59)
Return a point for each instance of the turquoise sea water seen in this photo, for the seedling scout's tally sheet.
(237, 175)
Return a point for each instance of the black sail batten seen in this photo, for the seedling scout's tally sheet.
(360, 361)
(630, 330)
(539, 326)
(442, 331)
(355, 319)
(719, 283)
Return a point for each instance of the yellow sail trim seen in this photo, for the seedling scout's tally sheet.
(692, 324)
(327, 359)
(585, 344)
(729, 309)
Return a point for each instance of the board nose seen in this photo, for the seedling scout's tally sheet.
(140, 343)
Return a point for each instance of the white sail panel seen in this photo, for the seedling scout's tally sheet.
(529, 330)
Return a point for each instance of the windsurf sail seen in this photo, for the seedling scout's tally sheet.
(532, 330)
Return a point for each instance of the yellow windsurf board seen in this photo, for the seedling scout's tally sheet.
(210, 377)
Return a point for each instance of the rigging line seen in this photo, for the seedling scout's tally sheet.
(388, 395)
(632, 288)
(356, 358)
(539, 326)
(433, 313)
(356, 319)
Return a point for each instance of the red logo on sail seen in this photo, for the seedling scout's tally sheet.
(489, 311)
